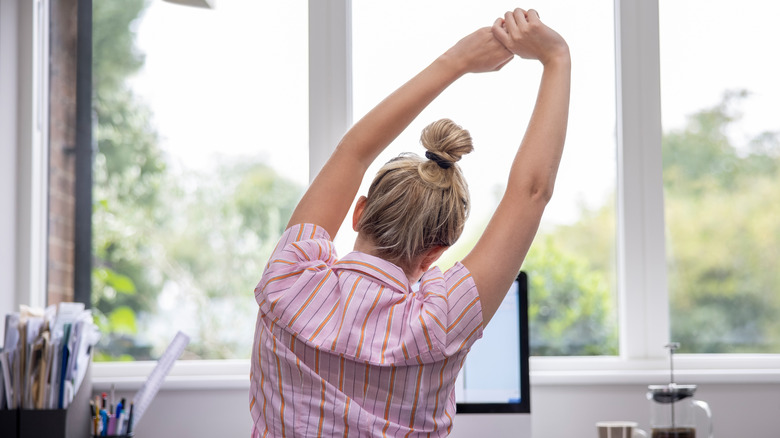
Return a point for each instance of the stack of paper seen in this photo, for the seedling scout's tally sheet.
(45, 356)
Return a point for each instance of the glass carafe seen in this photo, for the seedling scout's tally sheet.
(673, 412)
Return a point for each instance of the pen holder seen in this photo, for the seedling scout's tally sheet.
(72, 422)
(129, 435)
(9, 423)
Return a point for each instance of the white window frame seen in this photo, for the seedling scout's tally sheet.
(642, 286)
(8, 177)
(24, 136)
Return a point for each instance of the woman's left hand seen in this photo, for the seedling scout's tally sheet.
(479, 52)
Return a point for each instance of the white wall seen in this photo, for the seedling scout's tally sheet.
(571, 411)
(559, 411)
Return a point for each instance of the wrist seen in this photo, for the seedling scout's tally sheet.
(559, 57)
(453, 64)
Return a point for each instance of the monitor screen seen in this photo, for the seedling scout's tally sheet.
(494, 377)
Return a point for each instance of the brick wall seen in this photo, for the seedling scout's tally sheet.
(62, 138)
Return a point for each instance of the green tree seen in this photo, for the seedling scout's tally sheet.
(724, 233)
(570, 310)
(197, 238)
(127, 173)
(214, 251)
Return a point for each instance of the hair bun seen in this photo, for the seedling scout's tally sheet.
(447, 140)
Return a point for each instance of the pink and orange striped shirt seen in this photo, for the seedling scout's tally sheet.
(345, 347)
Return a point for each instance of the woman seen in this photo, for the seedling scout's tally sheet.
(346, 347)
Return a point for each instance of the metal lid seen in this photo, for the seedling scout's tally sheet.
(670, 393)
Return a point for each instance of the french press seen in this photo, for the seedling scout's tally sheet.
(673, 408)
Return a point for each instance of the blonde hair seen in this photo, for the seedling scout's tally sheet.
(415, 204)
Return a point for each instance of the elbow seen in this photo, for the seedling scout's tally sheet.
(541, 193)
(528, 198)
(537, 191)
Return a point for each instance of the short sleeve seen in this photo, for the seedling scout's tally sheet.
(453, 311)
(303, 242)
(302, 248)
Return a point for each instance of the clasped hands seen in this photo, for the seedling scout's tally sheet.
(518, 32)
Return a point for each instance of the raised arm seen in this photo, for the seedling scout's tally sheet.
(329, 197)
(499, 253)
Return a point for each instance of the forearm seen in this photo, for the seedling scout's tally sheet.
(380, 126)
(514, 224)
(535, 166)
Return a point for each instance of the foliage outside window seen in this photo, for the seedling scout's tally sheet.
(721, 176)
(175, 246)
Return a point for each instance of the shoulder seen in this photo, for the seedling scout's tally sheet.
(303, 242)
(452, 307)
(457, 279)
(302, 250)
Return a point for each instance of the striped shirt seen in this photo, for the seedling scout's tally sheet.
(345, 347)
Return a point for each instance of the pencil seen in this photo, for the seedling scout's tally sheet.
(94, 418)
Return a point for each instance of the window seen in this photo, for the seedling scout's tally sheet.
(615, 122)
(721, 155)
(572, 262)
(202, 147)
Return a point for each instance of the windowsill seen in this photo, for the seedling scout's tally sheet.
(702, 368)
(185, 375)
(698, 369)
(645, 377)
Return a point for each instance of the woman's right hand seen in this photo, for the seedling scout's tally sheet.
(524, 34)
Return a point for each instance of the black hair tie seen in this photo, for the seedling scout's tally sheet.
(444, 164)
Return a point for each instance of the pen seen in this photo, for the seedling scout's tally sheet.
(119, 415)
(111, 426)
(125, 410)
(104, 422)
(120, 423)
(130, 420)
(112, 400)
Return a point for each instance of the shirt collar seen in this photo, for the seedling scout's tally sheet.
(384, 271)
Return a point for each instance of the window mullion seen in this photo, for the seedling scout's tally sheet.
(643, 292)
(330, 78)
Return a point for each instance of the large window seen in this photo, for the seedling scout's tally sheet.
(202, 146)
(202, 129)
(721, 157)
(571, 265)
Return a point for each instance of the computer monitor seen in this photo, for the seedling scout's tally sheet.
(493, 387)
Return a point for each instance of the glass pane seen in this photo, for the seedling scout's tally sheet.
(572, 262)
(198, 112)
(721, 151)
